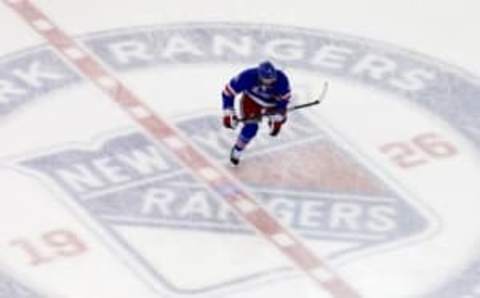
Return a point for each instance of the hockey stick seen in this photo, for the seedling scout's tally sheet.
(319, 99)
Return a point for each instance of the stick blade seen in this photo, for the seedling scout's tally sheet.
(323, 94)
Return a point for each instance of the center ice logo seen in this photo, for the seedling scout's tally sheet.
(132, 189)
(128, 182)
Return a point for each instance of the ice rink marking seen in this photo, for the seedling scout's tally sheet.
(74, 53)
(193, 159)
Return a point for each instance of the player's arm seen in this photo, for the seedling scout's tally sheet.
(231, 90)
(283, 100)
(235, 86)
(285, 94)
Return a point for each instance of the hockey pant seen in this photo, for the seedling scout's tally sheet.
(252, 112)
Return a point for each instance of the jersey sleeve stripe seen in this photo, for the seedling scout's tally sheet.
(286, 96)
(226, 93)
(230, 90)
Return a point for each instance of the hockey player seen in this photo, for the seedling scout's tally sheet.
(263, 90)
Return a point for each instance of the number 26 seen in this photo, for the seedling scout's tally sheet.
(420, 150)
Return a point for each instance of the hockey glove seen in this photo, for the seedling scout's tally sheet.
(230, 119)
(275, 123)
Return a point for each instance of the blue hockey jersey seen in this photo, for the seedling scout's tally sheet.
(276, 95)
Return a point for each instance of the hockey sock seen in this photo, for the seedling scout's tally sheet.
(246, 135)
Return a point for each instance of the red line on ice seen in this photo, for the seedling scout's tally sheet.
(219, 181)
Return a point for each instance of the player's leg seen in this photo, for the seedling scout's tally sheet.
(252, 112)
(248, 132)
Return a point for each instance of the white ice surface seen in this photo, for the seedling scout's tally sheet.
(447, 30)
